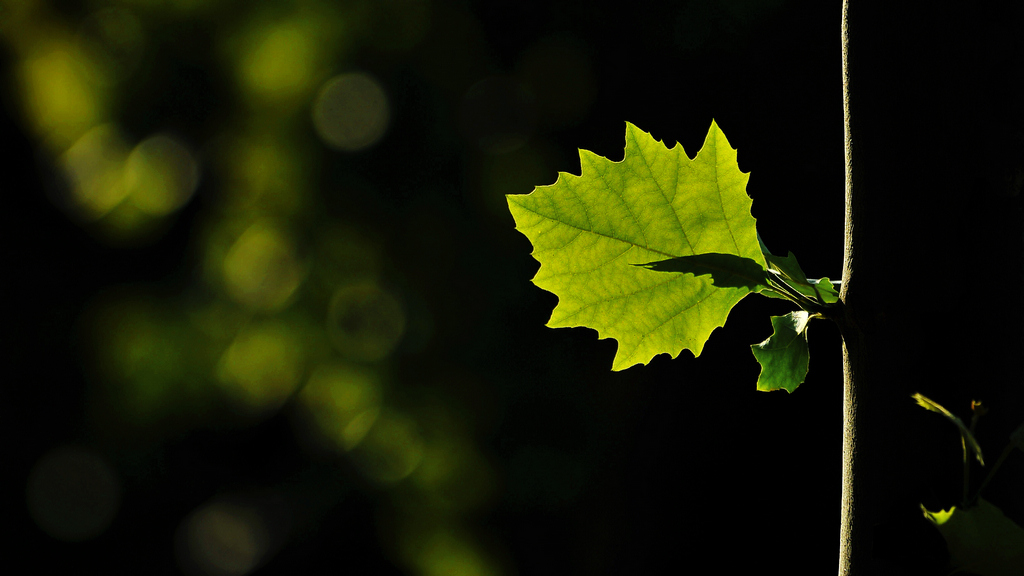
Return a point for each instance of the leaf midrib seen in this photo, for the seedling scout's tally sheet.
(602, 234)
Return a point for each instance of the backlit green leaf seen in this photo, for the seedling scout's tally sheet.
(590, 232)
(981, 539)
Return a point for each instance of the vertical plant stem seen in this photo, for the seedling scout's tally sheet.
(869, 476)
(967, 470)
(846, 546)
(933, 143)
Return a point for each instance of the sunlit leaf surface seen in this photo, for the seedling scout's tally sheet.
(589, 232)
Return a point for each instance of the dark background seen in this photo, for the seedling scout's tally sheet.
(678, 464)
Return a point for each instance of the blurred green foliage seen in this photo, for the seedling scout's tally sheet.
(294, 306)
(277, 250)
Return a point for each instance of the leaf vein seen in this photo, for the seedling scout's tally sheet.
(663, 193)
(602, 234)
(721, 203)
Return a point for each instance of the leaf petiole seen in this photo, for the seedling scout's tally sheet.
(778, 283)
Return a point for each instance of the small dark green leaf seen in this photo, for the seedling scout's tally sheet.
(827, 290)
(726, 270)
(788, 270)
(788, 267)
(784, 357)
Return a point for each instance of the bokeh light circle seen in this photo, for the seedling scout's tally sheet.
(365, 322)
(73, 494)
(160, 175)
(343, 403)
(93, 168)
(262, 366)
(279, 62)
(223, 539)
(261, 269)
(63, 92)
(391, 450)
(351, 112)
